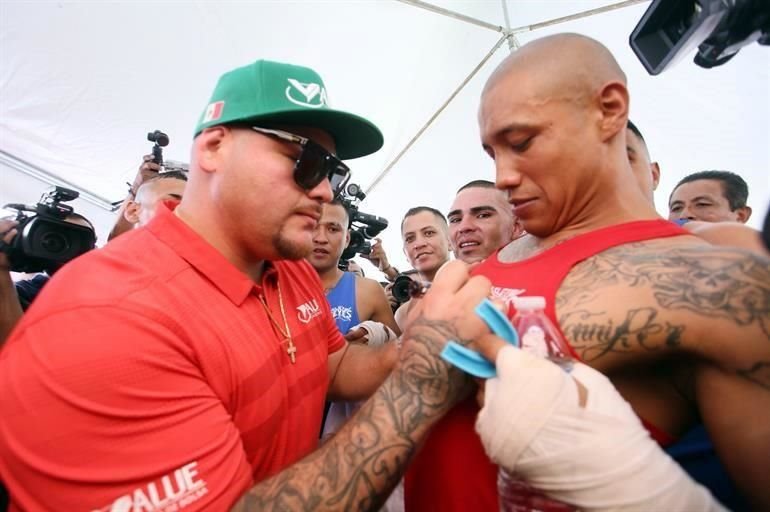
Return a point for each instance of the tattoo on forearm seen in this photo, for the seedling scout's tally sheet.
(594, 334)
(359, 467)
(759, 373)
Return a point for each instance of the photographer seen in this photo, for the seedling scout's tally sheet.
(379, 259)
(16, 297)
(140, 203)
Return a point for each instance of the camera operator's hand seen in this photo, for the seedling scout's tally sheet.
(7, 232)
(391, 299)
(378, 258)
(149, 169)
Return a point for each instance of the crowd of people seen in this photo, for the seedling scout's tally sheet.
(209, 359)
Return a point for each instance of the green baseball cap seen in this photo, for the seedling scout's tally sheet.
(269, 93)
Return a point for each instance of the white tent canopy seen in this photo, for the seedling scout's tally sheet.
(81, 83)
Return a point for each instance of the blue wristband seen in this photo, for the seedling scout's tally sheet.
(471, 361)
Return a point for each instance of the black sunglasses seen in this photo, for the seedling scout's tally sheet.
(314, 163)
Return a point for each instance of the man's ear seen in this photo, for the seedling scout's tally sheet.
(655, 170)
(131, 212)
(744, 212)
(518, 229)
(208, 147)
(347, 238)
(613, 102)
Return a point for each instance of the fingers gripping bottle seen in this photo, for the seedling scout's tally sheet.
(539, 336)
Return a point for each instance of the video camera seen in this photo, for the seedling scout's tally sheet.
(363, 226)
(161, 140)
(669, 29)
(45, 240)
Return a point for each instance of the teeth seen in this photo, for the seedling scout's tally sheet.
(466, 244)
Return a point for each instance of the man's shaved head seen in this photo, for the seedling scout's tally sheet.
(553, 116)
(574, 65)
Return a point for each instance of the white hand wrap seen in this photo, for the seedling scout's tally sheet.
(598, 457)
(377, 333)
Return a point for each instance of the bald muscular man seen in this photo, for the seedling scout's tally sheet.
(681, 327)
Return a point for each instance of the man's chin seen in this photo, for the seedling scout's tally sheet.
(292, 249)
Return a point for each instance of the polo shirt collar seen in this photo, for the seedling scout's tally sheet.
(201, 255)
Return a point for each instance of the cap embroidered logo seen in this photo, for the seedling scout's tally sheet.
(214, 111)
(306, 94)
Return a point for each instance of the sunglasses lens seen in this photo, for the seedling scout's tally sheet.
(316, 164)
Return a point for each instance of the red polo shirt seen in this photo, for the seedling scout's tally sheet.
(148, 376)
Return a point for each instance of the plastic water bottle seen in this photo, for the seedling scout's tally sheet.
(537, 333)
(539, 336)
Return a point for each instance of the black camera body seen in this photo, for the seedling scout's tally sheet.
(669, 29)
(45, 239)
(363, 226)
(401, 289)
(161, 140)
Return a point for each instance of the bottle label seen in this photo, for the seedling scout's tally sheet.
(533, 341)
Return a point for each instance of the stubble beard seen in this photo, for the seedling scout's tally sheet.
(290, 250)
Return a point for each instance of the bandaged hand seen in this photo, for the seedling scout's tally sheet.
(593, 453)
(371, 333)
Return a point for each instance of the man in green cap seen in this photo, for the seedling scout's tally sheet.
(189, 360)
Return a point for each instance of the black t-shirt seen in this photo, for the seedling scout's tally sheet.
(27, 290)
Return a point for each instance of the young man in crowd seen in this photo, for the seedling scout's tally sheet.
(480, 221)
(425, 234)
(195, 349)
(718, 232)
(353, 299)
(557, 135)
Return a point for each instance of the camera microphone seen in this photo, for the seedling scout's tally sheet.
(159, 138)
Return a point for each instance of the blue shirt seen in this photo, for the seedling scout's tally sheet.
(342, 299)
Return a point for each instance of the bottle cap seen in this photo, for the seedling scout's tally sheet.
(528, 303)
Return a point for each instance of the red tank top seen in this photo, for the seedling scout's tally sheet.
(451, 472)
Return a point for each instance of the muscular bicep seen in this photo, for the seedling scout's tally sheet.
(114, 414)
(654, 299)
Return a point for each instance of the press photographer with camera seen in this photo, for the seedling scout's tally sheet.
(163, 182)
(42, 240)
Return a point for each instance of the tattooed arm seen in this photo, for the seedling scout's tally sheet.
(701, 306)
(358, 468)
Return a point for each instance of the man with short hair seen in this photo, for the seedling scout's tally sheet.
(636, 297)
(711, 196)
(195, 350)
(646, 172)
(425, 234)
(353, 299)
(730, 234)
(165, 187)
(480, 221)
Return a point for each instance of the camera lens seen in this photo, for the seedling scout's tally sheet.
(400, 288)
(54, 243)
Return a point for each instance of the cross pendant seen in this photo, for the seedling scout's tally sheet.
(291, 350)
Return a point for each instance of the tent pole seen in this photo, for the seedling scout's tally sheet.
(36, 172)
(468, 78)
(513, 43)
(576, 16)
(452, 14)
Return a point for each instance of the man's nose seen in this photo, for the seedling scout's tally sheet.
(507, 175)
(467, 224)
(322, 192)
(687, 213)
